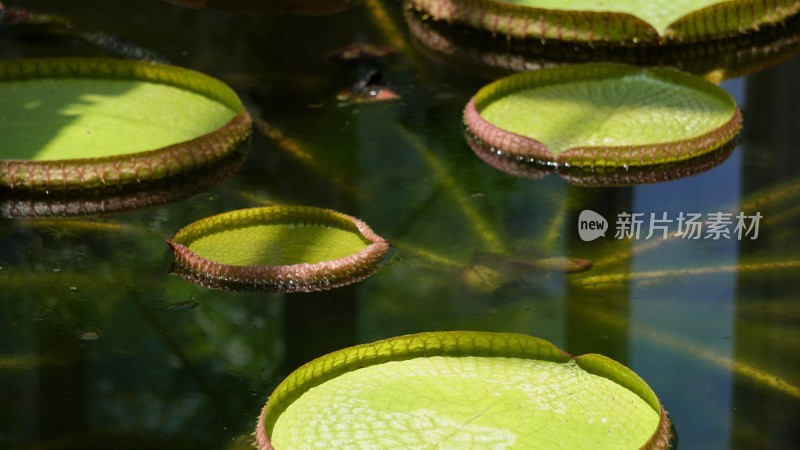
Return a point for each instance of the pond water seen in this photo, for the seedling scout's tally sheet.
(101, 346)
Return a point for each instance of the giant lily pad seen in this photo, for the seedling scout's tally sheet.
(603, 115)
(613, 22)
(462, 390)
(278, 248)
(104, 124)
(720, 59)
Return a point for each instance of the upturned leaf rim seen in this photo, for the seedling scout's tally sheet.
(721, 20)
(289, 278)
(119, 172)
(450, 344)
(633, 155)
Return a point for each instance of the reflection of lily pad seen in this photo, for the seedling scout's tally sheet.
(100, 124)
(38, 204)
(278, 248)
(603, 115)
(462, 390)
(613, 22)
(601, 176)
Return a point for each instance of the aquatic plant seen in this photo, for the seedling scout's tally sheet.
(27, 23)
(481, 54)
(89, 125)
(465, 389)
(615, 22)
(603, 115)
(277, 248)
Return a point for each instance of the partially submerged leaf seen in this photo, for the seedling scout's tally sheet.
(603, 115)
(30, 23)
(465, 390)
(277, 248)
(99, 124)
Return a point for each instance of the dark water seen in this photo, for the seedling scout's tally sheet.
(100, 347)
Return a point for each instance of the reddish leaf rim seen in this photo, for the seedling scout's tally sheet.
(593, 157)
(301, 277)
(121, 171)
(451, 344)
(606, 176)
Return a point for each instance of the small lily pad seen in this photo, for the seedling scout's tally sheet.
(104, 124)
(613, 22)
(603, 115)
(462, 390)
(278, 249)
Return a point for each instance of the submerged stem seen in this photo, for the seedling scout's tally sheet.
(609, 280)
(479, 224)
(392, 34)
(684, 347)
(299, 153)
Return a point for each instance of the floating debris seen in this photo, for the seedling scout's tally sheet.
(363, 53)
(88, 335)
(490, 271)
(183, 306)
(372, 88)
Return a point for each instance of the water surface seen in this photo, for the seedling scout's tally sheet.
(101, 346)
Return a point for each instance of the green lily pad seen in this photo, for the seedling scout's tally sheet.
(100, 124)
(277, 248)
(462, 390)
(603, 115)
(715, 60)
(613, 22)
